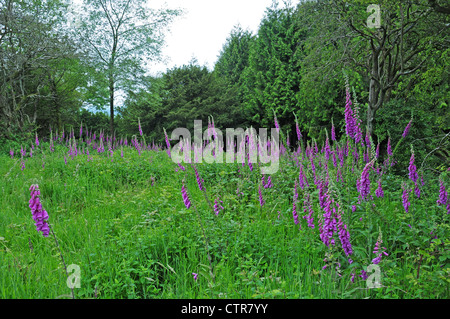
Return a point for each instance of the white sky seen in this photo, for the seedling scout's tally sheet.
(204, 27)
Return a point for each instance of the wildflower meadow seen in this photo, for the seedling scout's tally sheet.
(87, 215)
(203, 152)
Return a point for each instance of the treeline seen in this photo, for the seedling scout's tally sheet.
(393, 57)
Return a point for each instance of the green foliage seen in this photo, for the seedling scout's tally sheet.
(123, 221)
(272, 78)
(424, 135)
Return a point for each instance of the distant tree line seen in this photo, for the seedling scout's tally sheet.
(297, 65)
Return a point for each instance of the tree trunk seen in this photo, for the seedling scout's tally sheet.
(111, 106)
(370, 120)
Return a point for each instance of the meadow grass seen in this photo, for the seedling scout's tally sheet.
(124, 223)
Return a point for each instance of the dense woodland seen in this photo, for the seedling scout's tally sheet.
(64, 66)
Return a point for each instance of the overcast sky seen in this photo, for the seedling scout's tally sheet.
(204, 27)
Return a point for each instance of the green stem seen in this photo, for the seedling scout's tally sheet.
(62, 257)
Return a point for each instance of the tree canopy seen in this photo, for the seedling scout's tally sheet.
(393, 56)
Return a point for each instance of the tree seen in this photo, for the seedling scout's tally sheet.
(33, 45)
(144, 104)
(382, 55)
(191, 93)
(121, 35)
(229, 72)
(271, 81)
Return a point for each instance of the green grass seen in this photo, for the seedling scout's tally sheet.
(132, 239)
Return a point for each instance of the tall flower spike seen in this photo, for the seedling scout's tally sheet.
(443, 195)
(364, 182)
(379, 191)
(276, 122)
(40, 216)
(349, 119)
(185, 195)
(412, 169)
(199, 179)
(308, 209)
(379, 251)
(140, 128)
(389, 147)
(333, 133)
(167, 143)
(407, 128)
(261, 199)
(297, 129)
(344, 236)
(405, 198)
(217, 207)
(294, 204)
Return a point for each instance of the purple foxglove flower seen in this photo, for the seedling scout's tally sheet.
(302, 181)
(276, 122)
(327, 149)
(294, 212)
(333, 153)
(167, 143)
(322, 193)
(389, 148)
(333, 133)
(199, 179)
(328, 223)
(379, 191)
(405, 198)
(261, 199)
(140, 128)
(339, 175)
(407, 128)
(11, 152)
(308, 209)
(37, 140)
(40, 216)
(269, 182)
(417, 190)
(294, 204)
(363, 275)
(344, 236)
(443, 195)
(364, 183)
(379, 252)
(217, 206)
(297, 129)
(412, 169)
(349, 119)
(250, 165)
(195, 276)
(186, 200)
